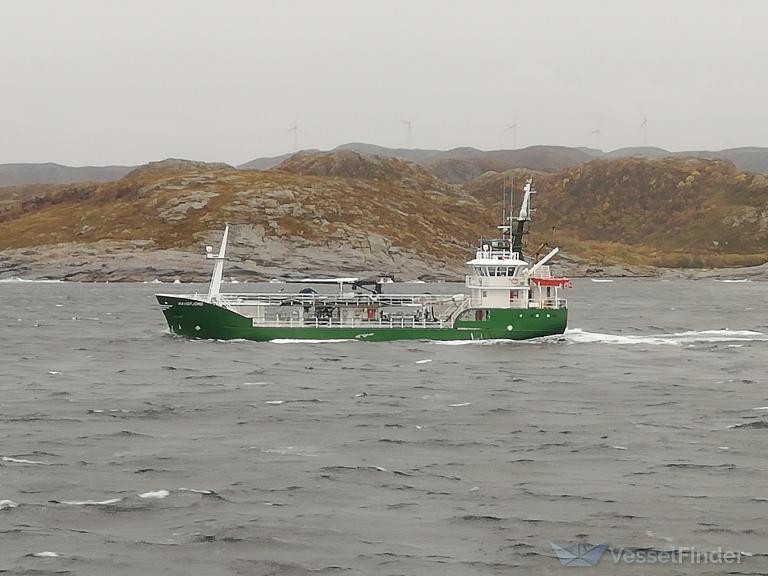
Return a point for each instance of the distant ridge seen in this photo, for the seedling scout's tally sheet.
(639, 152)
(50, 173)
(461, 165)
(456, 166)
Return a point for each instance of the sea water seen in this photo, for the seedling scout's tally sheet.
(125, 450)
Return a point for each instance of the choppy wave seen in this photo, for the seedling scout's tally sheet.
(487, 342)
(156, 494)
(16, 279)
(89, 502)
(310, 340)
(11, 460)
(579, 336)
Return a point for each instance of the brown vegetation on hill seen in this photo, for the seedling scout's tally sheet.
(664, 212)
(177, 208)
(351, 164)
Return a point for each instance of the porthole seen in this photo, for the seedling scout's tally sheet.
(510, 328)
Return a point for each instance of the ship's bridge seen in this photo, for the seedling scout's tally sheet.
(497, 266)
(494, 257)
(497, 278)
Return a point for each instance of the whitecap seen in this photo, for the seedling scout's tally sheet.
(90, 502)
(459, 405)
(15, 279)
(290, 451)
(7, 504)
(722, 335)
(155, 494)
(194, 491)
(275, 402)
(650, 534)
(45, 554)
(23, 461)
(475, 342)
(601, 280)
(423, 361)
(579, 336)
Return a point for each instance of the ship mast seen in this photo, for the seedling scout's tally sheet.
(506, 209)
(524, 216)
(218, 268)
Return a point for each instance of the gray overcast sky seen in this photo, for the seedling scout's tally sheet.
(125, 82)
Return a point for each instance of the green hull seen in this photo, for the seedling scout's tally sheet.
(196, 319)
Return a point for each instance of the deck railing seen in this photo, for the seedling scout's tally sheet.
(549, 303)
(473, 281)
(401, 322)
(352, 300)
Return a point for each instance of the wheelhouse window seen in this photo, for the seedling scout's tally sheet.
(496, 271)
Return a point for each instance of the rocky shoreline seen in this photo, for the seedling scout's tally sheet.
(141, 261)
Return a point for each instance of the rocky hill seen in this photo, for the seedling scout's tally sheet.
(350, 164)
(350, 213)
(148, 224)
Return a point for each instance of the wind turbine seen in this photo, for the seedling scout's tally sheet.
(295, 130)
(513, 127)
(596, 132)
(644, 129)
(409, 124)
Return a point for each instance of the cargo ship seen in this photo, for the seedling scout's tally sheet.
(508, 295)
